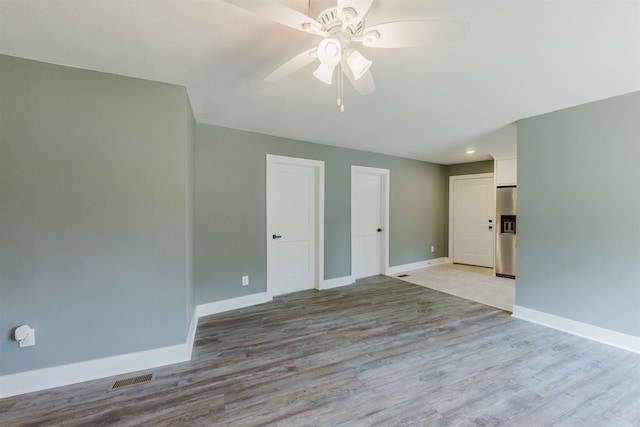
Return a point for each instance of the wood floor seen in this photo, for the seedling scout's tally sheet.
(380, 352)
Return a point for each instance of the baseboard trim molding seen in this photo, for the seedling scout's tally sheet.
(416, 265)
(337, 282)
(73, 373)
(191, 334)
(232, 304)
(58, 376)
(585, 330)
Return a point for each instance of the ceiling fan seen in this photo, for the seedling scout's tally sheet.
(342, 26)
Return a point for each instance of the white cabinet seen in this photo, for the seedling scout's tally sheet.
(506, 172)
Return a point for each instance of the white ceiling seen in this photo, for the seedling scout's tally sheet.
(521, 58)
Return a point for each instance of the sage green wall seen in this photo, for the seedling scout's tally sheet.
(190, 168)
(230, 208)
(485, 166)
(579, 213)
(93, 214)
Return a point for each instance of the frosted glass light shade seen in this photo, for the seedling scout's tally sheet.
(324, 73)
(329, 52)
(358, 64)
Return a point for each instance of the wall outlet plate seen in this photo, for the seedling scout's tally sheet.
(245, 280)
(433, 248)
(30, 340)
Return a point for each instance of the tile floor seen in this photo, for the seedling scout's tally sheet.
(466, 281)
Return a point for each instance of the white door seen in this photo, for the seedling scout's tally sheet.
(369, 213)
(293, 224)
(473, 221)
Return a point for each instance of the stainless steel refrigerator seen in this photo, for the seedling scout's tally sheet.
(506, 240)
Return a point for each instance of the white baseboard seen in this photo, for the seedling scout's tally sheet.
(337, 282)
(57, 376)
(232, 304)
(585, 330)
(415, 265)
(191, 334)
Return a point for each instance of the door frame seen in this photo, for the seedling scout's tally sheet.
(452, 180)
(385, 174)
(318, 167)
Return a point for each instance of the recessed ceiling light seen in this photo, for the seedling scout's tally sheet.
(470, 151)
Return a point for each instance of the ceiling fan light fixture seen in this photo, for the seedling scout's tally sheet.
(358, 64)
(324, 73)
(329, 52)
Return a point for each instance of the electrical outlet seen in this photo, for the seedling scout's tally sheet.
(245, 280)
(29, 340)
(433, 249)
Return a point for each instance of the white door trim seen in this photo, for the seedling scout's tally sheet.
(318, 165)
(452, 180)
(386, 184)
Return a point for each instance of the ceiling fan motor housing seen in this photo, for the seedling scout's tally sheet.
(332, 23)
(339, 28)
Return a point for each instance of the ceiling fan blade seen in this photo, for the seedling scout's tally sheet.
(415, 33)
(292, 65)
(279, 13)
(364, 85)
(360, 6)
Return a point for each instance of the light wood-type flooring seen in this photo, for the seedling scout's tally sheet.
(381, 352)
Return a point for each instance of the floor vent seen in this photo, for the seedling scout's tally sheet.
(132, 381)
(403, 275)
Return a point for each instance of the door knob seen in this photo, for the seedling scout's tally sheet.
(490, 227)
(275, 236)
(379, 230)
(490, 220)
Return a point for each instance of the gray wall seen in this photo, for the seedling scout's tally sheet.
(485, 166)
(579, 213)
(230, 208)
(190, 170)
(94, 212)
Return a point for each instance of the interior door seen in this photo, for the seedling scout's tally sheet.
(368, 225)
(291, 239)
(474, 221)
